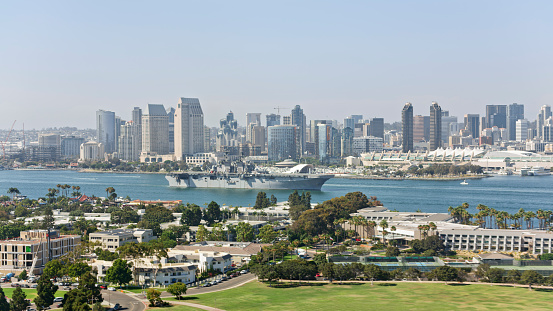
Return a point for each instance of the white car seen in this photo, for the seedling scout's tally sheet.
(58, 299)
(111, 289)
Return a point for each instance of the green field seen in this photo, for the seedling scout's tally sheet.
(400, 296)
(30, 292)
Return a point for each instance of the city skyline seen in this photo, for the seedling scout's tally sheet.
(64, 61)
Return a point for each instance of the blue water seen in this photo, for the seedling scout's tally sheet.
(508, 193)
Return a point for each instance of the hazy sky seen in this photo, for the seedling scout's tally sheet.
(60, 61)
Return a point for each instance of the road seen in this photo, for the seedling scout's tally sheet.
(127, 302)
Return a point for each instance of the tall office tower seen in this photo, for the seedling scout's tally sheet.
(258, 136)
(358, 129)
(421, 128)
(347, 142)
(286, 120)
(71, 147)
(189, 128)
(515, 112)
(314, 131)
(447, 120)
(273, 119)
(357, 118)
(435, 126)
(118, 123)
(349, 122)
(252, 119)
(49, 148)
(324, 141)
(105, 129)
(171, 115)
(543, 115)
(376, 127)
(137, 122)
(155, 130)
(298, 119)
(407, 127)
(472, 124)
(207, 139)
(128, 141)
(496, 115)
(521, 130)
(283, 142)
(227, 135)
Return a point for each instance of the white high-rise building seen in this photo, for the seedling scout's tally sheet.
(545, 113)
(252, 119)
(189, 128)
(105, 129)
(91, 151)
(521, 130)
(128, 142)
(155, 130)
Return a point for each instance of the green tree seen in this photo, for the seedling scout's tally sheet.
(320, 259)
(546, 256)
(158, 214)
(212, 213)
(513, 276)
(4, 305)
(495, 275)
(531, 277)
(21, 211)
(23, 275)
(88, 288)
(262, 201)
(124, 216)
(77, 269)
(154, 297)
(119, 273)
(54, 269)
(177, 289)
(19, 300)
(105, 254)
(75, 300)
(48, 220)
(202, 234)
(244, 232)
(327, 269)
(267, 234)
(392, 251)
(446, 274)
(46, 292)
(192, 215)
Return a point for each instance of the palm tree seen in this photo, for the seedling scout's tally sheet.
(108, 191)
(392, 230)
(384, 226)
(372, 225)
(13, 191)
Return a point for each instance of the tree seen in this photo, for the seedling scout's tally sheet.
(412, 273)
(267, 234)
(157, 214)
(261, 201)
(392, 251)
(48, 220)
(446, 274)
(273, 200)
(46, 292)
(495, 275)
(192, 215)
(13, 192)
(21, 211)
(177, 289)
(513, 276)
(212, 212)
(77, 269)
(202, 234)
(23, 275)
(154, 297)
(244, 232)
(119, 273)
(4, 305)
(327, 269)
(546, 256)
(75, 300)
(19, 300)
(105, 254)
(531, 277)
(124, 216)
(53, 269)
(87, 285)
(320, 259)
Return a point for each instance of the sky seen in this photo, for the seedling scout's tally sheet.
(60, 61)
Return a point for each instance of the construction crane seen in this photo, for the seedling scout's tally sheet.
(278, 109)
(5, 142)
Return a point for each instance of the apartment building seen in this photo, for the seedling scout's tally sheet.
(154, 273)
(44, 245)
(112, 239)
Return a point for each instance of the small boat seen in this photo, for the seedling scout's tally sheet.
(464, 182)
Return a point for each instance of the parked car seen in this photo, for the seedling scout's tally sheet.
(206, 284)
(58, 299)
(243, 271)
(214, 282)
(103, 287)
(75, 284)
(15, 285)
(224, 278)
(111, 288)
(117, 306)
(34, 286)
(25, 285)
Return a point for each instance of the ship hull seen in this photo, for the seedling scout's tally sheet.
(301, 182)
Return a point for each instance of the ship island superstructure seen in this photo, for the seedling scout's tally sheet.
(241, 175)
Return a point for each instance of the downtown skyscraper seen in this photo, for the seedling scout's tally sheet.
(435, 126)
(105, 129)
(407, 127)
(189, 128)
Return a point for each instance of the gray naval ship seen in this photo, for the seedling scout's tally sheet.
(240, 175)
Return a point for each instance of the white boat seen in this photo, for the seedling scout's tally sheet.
(505, 172)
(464, 182)
(538, 171)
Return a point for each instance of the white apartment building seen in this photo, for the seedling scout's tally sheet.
(156, 273)
(155, 130)
(91, 151)
(204, 260)
(112, 239)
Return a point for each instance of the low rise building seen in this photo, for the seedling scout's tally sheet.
(154, 273)
(112, 239)
(240, 252)
(204, 260)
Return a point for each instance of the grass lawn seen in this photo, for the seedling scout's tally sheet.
(176, 308)
(400, 296)
(30, 292)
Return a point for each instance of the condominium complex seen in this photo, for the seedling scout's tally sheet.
(110, 240)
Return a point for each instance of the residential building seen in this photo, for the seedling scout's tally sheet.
(407, 126)
(155, 130)
(137, 122)
(521, 130)
(435, 126)
(105, 129)
(252, 119)
(297, 118)
(543, 116)
(189, 128)
(114, 238)
(71, 147)
(314, 137)
(128, 142)
(203, 259)
(153, 272)
(283, 142)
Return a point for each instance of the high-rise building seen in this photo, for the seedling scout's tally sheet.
(298, 119)
(349, 122)
(357, 118)
(447, 121)
(171, 115)
(543, 115)
(515, 112)
(252, 119)
(128, 141)
(367, 144)
(227, 136)
(105, 129)
(314, 131)
(258, 137)
(421, 128)
(324, 139)
(137, 122)
(496, 115)
(435, 126)
(521, 130)
(407, 127)
(376, 127)
(48, 149)
(92, 151)
(71, 147)
(273, 119)
(155, 130)
(283, 142)
(347, 142)
(189, 128)
(118, 123)
(207, 139)
(472, 124)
